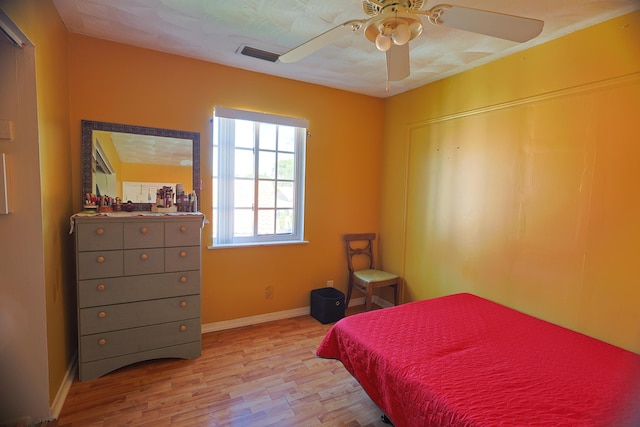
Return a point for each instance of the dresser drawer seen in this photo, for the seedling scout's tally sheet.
(182, 258)
(114, 290)
(92, 265)
(143, 261)
(135, 314)
(182, 233)
(94, 236)
(142, 234)
(128, 341)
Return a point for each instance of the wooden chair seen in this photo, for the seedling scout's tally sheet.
(360, 254)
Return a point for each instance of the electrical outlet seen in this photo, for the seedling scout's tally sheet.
(329, 283)
(268, 292)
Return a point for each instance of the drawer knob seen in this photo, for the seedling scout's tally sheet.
(102, 341)
(183, 254)
(100, 231)
(183, 304)
(183, 328)
(183, 279)
(144, 230)
(183, 229)
(100, 259)
(102, 314)
(144, 257)
(101, 287)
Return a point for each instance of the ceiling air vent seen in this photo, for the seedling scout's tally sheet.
(257, 53)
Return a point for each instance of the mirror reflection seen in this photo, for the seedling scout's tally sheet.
(133, 162)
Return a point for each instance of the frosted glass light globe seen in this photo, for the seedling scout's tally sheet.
(383, 43)
(401, 34)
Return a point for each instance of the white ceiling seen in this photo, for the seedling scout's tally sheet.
(153, 150)
(214, 30)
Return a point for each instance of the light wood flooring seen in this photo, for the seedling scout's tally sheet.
(261, 375)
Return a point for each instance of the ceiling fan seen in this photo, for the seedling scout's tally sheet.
(392, 24)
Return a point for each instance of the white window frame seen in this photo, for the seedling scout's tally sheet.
(224, 178)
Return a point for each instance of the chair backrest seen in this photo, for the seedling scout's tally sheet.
(359, 251)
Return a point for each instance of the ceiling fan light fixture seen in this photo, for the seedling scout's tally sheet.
(396, 26)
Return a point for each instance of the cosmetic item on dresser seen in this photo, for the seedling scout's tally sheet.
(139, 286)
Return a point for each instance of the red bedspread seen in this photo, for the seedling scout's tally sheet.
(461, 360)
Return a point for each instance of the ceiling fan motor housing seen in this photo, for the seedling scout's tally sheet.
(375, 7)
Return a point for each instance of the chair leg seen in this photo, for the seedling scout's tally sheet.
(369, 298)
(395, 294)
(349, 289)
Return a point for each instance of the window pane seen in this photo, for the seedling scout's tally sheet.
(284, 224)
(244, 167)
(267, 136)
(265, 221)
(285, 195)
(286, 138)
(244, 134)
(243, 193)
(267, 165)
(216, 160)
(214, 190)
(243, 222)
(266, 194)
(285, 166)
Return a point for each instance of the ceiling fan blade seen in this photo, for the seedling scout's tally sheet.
(321, 41)
(500, 25)
(398, 64)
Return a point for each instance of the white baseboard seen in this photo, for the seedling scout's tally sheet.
(263, 318)
(63, 390)
(381, 302)
(278, 315)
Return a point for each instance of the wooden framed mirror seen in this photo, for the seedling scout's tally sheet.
(129, 161)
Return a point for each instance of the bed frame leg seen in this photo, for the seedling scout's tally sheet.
(385, 419)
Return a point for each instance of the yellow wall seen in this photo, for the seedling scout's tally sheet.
(106, 142)
(123, 84)
(39, 20)
(144, 172)
(518, 183)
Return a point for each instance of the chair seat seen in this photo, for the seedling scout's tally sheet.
(370, 276)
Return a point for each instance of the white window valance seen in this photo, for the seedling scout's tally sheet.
(254, 116)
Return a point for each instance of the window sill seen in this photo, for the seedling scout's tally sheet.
(253, 244)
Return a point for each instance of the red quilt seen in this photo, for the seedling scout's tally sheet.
(461, 360)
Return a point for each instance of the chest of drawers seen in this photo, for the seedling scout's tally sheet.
(138, 290)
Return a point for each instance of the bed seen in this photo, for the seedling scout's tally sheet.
(462, 360)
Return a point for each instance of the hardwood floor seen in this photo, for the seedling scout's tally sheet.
(262, 375)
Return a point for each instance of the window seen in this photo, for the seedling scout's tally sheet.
(258, 178)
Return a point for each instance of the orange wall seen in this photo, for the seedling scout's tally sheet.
(123, 84)
(519, 183)
(55, 168)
